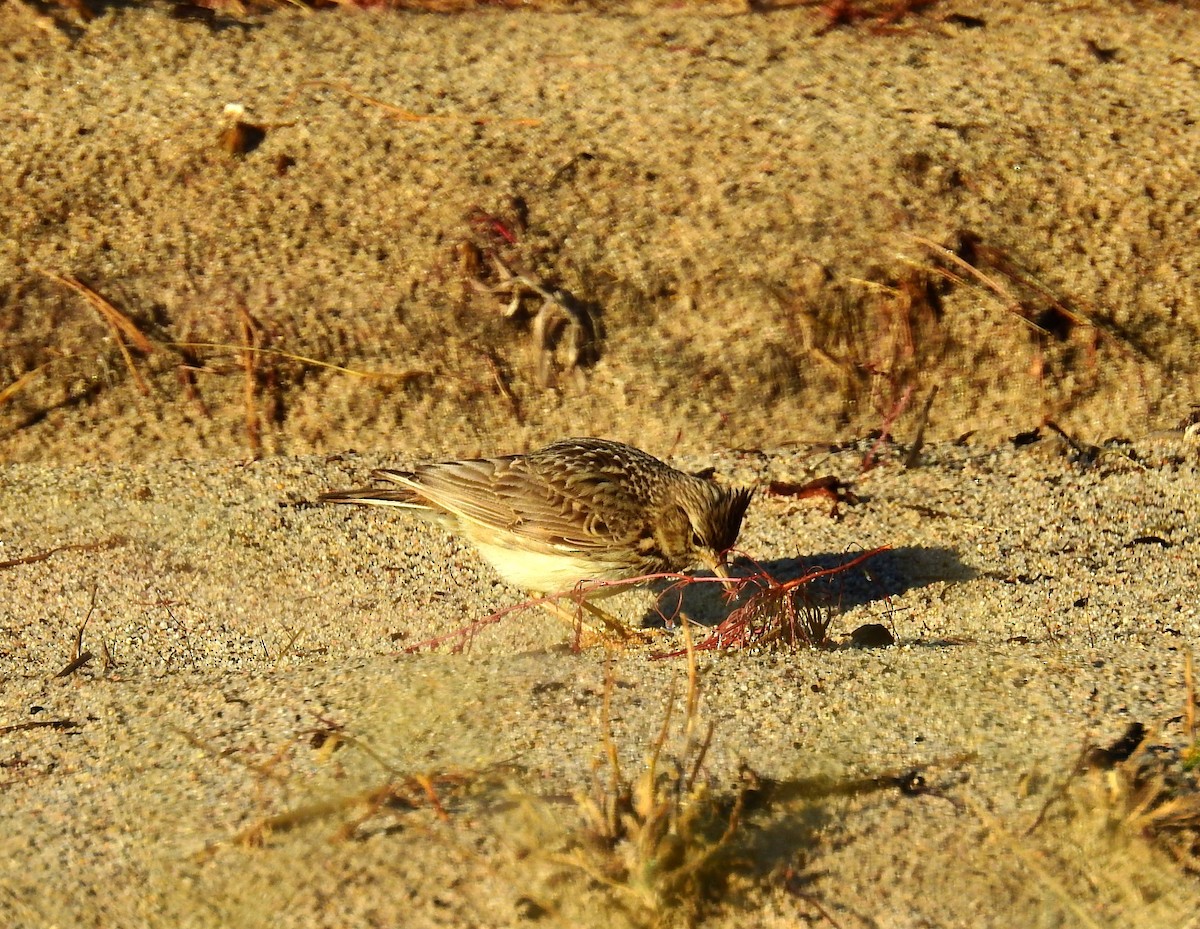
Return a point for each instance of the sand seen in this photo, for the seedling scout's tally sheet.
(749, 210)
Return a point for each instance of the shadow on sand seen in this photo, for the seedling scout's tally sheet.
(889, 574)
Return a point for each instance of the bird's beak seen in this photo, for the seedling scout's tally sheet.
(721, 570)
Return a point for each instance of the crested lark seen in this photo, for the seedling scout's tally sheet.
(576, 510)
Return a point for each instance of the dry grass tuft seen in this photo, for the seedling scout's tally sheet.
(1155, 792)
(873, 343)
(1125, 824)
(965, 312)
(120, 325)
(1153, 797)
(48, 377)
(662, 842)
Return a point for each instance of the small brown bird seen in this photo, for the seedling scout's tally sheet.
(576, 510)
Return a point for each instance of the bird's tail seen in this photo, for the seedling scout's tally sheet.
(404, 495)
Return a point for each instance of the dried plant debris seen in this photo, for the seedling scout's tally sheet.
(1048, 316)
(829, 487)
(673, 844)
(394, 797)
(242, 137)
(559, 319)
(109, 543)
(662, 845)
(122, 328)
(782, 615)
(1141, 787)
(779, 614)
(490, 260)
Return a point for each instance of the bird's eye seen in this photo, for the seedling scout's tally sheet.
(697, 542)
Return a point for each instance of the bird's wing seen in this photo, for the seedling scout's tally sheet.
(502, 496)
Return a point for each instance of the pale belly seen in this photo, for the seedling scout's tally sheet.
(550, 574)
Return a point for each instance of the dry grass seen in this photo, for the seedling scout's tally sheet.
(1151, 788)
(875, 343)
(395, 796)
(1151, 796)
(1116, 839)
(668, 845)
(158, 366)
(662, 845)
(125, 332)
(1061, 334)
(1125, 825)
(391, 799)
(966, 313)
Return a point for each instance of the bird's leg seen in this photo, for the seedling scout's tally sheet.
(609, 630)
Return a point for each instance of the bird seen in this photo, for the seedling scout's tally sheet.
(577, 510)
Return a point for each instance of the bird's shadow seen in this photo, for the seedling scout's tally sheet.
(888, 574)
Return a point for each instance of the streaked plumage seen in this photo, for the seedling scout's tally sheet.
(576, 510)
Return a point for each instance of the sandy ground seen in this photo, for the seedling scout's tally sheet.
(1039, 607)
(737, 201)
(749, 214)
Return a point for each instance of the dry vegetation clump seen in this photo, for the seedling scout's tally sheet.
(241, 357)
(224, 361)
(1124, 834)
(1125, 824)
(493, 261)
(667, 846)
(1153, 795)
(1149, 788)
(662, 846)
(397, 795)
(661, 839)
(776, 614)
(966, 313)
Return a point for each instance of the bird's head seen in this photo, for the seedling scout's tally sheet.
(706, 524)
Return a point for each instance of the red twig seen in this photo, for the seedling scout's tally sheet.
(885, 430)
(740, 629)
(769, 614)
